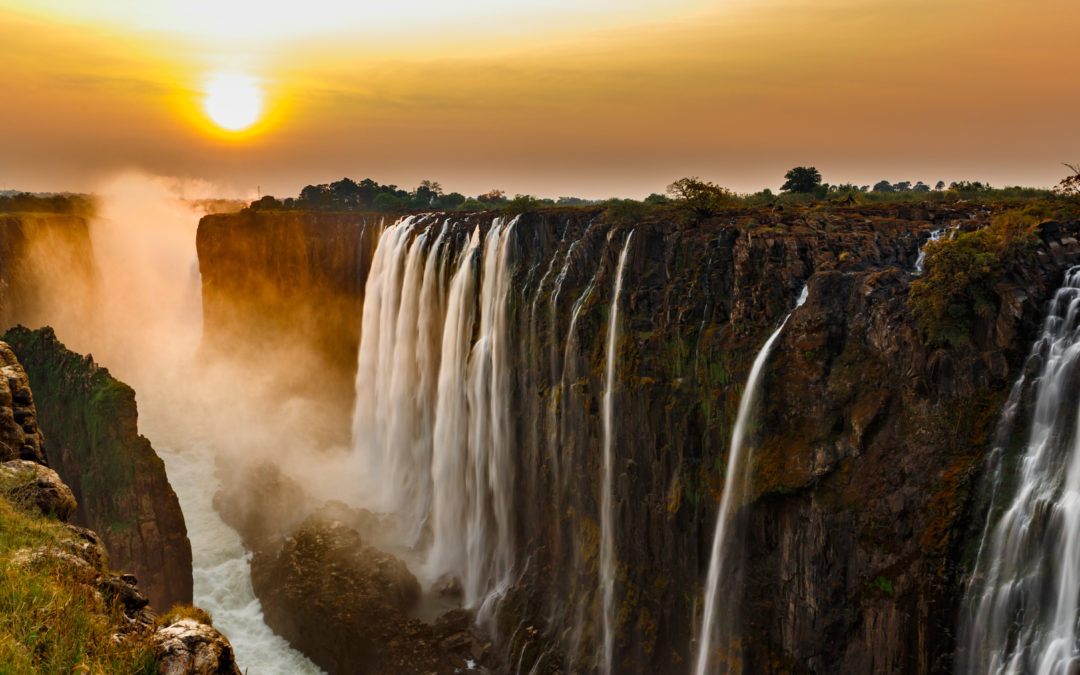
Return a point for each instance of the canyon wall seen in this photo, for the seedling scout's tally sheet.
(865, 450)
(90, 421)
(285, 287)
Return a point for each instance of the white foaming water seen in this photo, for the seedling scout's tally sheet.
(734, 482)
(431, 430)
(935, 235)
(221, 571)
(1022, 606)
(607, 511)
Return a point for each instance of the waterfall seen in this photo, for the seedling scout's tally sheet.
(431, 429)
(607, 514)
(734, 481)
(935, 235)
(1021, 609)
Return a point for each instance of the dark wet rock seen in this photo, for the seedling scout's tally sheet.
(345, 605)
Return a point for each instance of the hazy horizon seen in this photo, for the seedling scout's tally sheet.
(591, 100)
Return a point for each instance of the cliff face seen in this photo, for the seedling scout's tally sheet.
(90, 421)
(864, 450)
(64, 608)
(287, 288)
(47, 271)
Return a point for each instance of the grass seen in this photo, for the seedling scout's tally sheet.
(52, 618)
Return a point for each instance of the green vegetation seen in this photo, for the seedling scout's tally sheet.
(960, 274)
(90, 421)
(882, 584)
(179, 612)
(803, 179)
(700, 198)
(52, 618)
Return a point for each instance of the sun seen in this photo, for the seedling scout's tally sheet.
(233, 101)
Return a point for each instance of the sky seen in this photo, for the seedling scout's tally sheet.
(586, 98)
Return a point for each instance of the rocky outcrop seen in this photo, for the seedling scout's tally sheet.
(346, 605)
(40, 487)
(20, 437)
(90, 422)
(188, 647)
(287, 288)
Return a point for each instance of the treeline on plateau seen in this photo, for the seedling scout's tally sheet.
(701, 197)
(25, 202)
(369, 195)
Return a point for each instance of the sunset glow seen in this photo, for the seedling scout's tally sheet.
(233, 101)
(592, 99)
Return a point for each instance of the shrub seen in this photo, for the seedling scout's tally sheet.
(179, 611)
(700, 198)
(958, 282)
(625, 211)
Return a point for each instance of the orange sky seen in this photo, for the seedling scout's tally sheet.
(593, 98)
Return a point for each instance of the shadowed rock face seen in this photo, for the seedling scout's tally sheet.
(865, 452)
(345, 604)
(90, 421)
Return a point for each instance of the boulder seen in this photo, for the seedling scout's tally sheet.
(39, 486)
(189, 647)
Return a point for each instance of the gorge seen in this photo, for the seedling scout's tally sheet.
(533, 442)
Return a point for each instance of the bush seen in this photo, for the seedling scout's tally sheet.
(625, 211)
(958, 283)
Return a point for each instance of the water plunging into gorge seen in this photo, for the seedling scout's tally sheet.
(431, 428)
(1022, 606)
(607, 515)
(735, 483)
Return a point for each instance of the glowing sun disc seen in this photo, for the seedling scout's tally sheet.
(233, 101)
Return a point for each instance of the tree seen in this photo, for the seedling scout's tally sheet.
(940, 185)
(656, 198)
(902, 186)
(267, 203)
(802, 179)
(493, 197)
(1070, 185)
(700, 198)
(921, 187)
(883, 186)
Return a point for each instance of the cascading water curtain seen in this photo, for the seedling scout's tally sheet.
(1021, 609)
(431, 429)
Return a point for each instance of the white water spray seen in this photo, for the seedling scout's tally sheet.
(1022, 607)
(607, 511)
(734, 482)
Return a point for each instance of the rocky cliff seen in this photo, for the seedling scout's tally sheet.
(864, 452)
(287, 288)
(63, 607)
(47, 272)
(90, 421)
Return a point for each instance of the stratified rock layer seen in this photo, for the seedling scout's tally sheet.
(91, 423)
